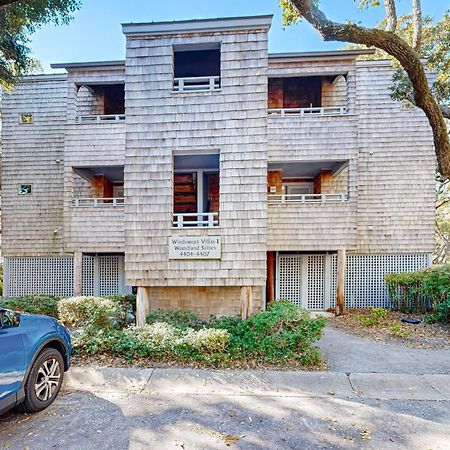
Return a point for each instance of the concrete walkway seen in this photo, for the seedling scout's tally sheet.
(190, 409)
(346, 353)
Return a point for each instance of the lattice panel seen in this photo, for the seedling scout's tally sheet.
(109, 275)
(88, 275)
(290, 278)
(315, 281)
(364, 285)
(28, 276)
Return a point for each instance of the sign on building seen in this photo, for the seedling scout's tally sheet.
(201, 247)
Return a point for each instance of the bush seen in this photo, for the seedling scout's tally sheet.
(284, 334)
(98, 312)
(441, 313)
(419, 290)
(32, 304)
(179, 318)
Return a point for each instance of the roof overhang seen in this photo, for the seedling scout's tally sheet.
(95, 65)
(197, 26)
(329, 54)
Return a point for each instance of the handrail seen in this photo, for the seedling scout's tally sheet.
(212, 220)
(306, 198)
(100, 118)
(306, 112)
(98, 201)
(195, 84)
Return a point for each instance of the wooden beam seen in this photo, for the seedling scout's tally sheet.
(246, 301)
(340, 285)
(270, 288)
(142, 305)
(77, 274)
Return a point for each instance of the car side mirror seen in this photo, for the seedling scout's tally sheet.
(9, 319)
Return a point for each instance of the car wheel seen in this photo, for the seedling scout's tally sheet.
(44, 381)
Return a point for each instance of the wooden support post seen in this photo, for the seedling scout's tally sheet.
(77, 274)
(340, 285)
(246, 301)
(270, 289)
(142, 305)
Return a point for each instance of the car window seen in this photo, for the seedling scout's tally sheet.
(10, 319)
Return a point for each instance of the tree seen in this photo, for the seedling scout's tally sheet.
(18, 20)
(408, 56)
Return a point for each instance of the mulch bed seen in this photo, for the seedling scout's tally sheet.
(391, 329)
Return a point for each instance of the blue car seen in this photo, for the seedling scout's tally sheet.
(34, 354)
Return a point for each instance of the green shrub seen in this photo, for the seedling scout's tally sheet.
(279, 336)
(32, 304)
(375, 317)
(441, 313)
(419, 290)
(179, 318)
(284, 333)
(98, 312)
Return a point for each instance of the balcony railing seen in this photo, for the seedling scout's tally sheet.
(186, 220)
(97, 201)
(196, 84)
(274, 199)
(307, 112)
(101, 118)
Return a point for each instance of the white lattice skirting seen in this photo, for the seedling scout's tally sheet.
(310, 280)
(102, 275)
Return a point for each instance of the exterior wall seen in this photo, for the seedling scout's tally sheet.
(205, 301)
(395, 169)
(32, 225)
(311, 226)
(159, 122)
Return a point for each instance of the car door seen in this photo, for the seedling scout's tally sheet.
(12, 357)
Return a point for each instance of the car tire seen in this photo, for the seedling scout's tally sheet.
(44, 381)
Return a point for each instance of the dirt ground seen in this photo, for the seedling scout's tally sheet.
(391, 329)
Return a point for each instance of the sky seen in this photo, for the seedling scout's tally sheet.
(95, 33)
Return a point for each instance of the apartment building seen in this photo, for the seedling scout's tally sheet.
(208, 174)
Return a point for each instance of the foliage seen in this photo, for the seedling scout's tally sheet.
(415, 291)
(95, 312)
(284, 334)
(179, 318)
(399, 331)
(441, 313)
(375, 317)
(20, 19)
(442, 247)
(32, 304)
(1, 277)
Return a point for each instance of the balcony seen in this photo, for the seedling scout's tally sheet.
(277, 199)
(100, 118)
(96, 202)
(196, 84)
(187, 220)
(308, 112)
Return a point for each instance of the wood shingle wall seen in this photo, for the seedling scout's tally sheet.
(159, 122)
(32, 225)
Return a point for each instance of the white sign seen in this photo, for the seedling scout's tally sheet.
(201, 247)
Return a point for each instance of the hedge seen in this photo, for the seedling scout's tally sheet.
(421, 290)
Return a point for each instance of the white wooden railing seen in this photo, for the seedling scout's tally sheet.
(101, 118)
(306, 198)
(195, 84)
(306, 112)
(185, 220)
(98, 201)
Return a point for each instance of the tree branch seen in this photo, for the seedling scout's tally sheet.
(391, 15)
(445, 110)
(417, 22)
(399, 49)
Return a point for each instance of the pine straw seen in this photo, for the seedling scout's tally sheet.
(391, 329)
